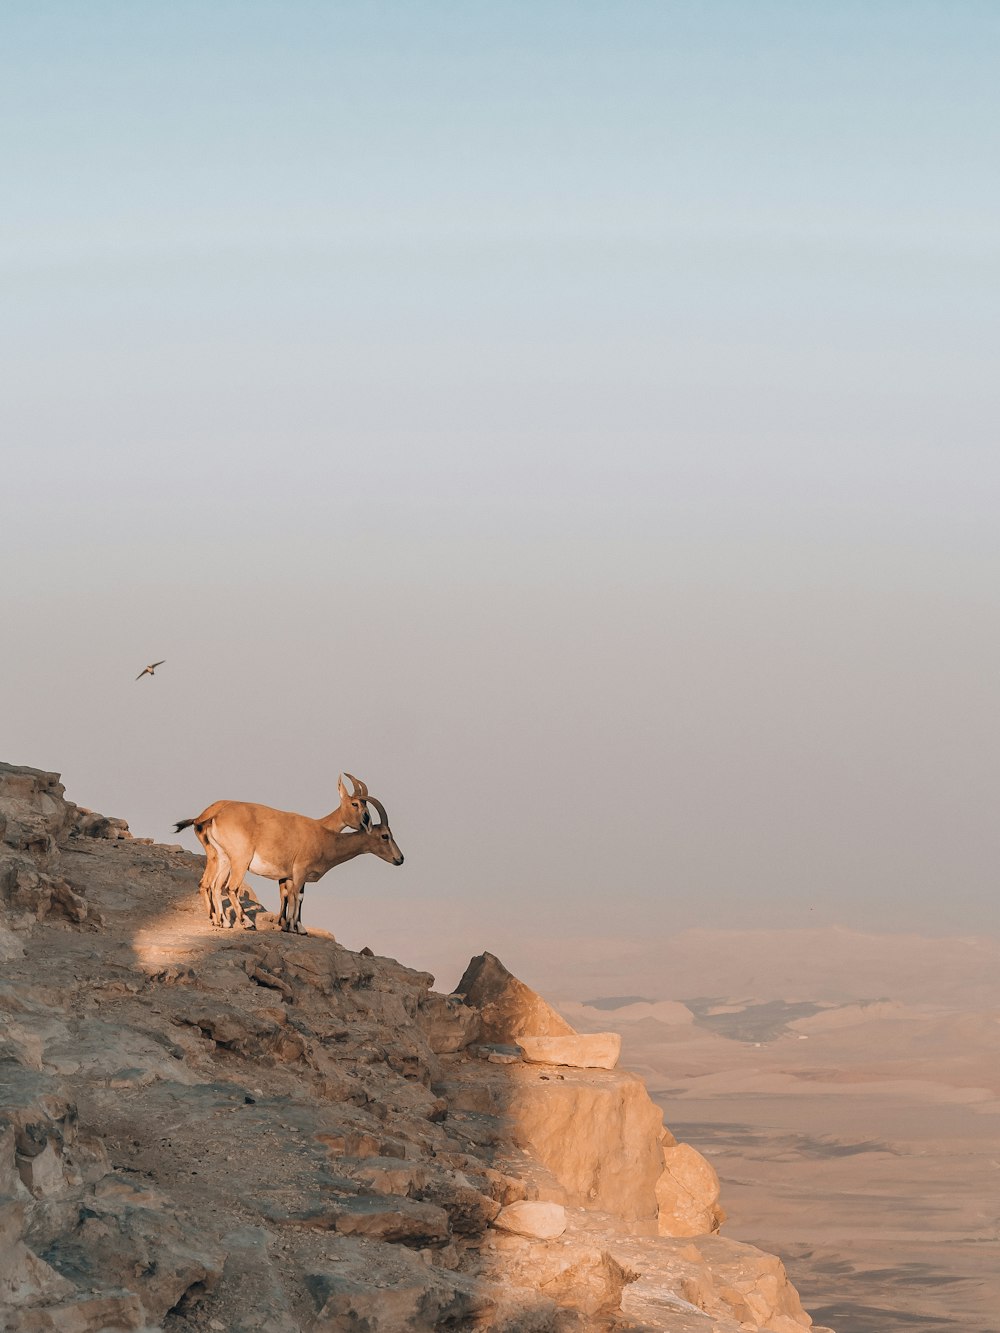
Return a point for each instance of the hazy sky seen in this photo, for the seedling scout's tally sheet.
(577, 419)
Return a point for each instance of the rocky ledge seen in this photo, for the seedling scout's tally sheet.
(234, 1130)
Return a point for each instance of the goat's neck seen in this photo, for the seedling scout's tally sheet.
(339, 847)
(333, 822)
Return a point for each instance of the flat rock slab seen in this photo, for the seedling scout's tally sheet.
(592, 1050)
(387, 1218)
(498, 1053)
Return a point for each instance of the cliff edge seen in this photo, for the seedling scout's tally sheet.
(245, 1130)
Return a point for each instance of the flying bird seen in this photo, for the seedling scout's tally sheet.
(149, 670)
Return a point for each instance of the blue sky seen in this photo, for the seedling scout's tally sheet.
(584, 410)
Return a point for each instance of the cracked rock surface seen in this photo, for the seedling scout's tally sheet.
(243, 1130)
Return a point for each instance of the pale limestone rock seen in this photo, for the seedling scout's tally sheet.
(579, 1276)
(754, 1286)
(687, 1193)
(509, 1009)
(599, 1134)
(591, 1050)
(531, 1217)
(89, 824)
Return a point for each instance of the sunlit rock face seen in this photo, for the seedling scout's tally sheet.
(226, 1129)
(687, 1193)
(582, 1050)
(508, 1008)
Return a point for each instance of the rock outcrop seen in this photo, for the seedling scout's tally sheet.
(242, 1130)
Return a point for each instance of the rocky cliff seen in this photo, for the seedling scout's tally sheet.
(238, 1130)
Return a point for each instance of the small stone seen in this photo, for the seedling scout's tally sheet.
(532, 1217)
(499, 1053)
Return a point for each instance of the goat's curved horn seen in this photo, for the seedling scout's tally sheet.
(360, 788)
(381, 810)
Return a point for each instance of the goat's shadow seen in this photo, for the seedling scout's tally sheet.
(260, 917)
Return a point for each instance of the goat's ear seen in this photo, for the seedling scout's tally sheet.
(340, 786)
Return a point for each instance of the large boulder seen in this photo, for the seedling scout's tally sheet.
(578, 1275)
(34, 819)
(511, 1012)
(407, 1296)
(687, 1193)
(754, 1286)
(508, 1008)
(33, 813)
(447, 1023)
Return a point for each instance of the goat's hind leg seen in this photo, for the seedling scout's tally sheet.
(208, 874)
(207, 881)
(291, 905)
(237, 873)
(220, 881)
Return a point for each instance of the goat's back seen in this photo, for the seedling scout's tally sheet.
(274, 843)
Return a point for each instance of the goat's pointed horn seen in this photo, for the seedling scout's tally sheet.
(360, 788)
(380, 808)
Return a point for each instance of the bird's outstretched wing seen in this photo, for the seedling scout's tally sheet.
(148, 670)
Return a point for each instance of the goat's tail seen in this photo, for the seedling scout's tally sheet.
(184, 823)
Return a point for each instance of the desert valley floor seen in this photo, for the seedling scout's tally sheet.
(858, 1140)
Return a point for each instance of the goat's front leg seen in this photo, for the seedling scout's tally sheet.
(297, 926)
(291, 904)
(242, 917)
(284, 886)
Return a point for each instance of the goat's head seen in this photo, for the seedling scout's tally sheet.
(353, 808)
(383, 843)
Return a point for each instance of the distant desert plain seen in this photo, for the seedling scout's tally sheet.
(846, 1087)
